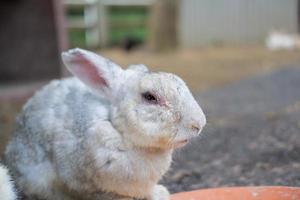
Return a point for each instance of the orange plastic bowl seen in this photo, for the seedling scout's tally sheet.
(241, 193)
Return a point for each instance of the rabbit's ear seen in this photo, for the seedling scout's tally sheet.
(93, 70)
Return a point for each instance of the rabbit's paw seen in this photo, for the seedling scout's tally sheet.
(159, 192)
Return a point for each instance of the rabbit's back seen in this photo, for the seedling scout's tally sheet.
(62, 110)
(61, 106)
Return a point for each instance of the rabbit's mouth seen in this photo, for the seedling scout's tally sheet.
(180, 143)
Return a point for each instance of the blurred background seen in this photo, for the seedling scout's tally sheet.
(239, 57)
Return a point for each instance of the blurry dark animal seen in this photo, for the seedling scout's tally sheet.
(130, 43)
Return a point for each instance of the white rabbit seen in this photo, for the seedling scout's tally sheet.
(110, 134)
(7, 191)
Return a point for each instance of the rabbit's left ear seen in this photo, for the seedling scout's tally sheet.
(93, 70)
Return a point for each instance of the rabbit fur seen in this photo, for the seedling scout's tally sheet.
(7, 191)
(106, 130)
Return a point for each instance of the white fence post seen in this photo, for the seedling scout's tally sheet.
(88, 22)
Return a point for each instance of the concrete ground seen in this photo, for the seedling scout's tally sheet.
(252, 136)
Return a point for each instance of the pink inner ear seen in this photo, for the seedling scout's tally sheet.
(88, 72)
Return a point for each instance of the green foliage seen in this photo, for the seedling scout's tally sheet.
(75, 12)
(128, 21)
(124, 21)
(77, 38)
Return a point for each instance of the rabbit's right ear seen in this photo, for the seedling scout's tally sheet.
(93, 70)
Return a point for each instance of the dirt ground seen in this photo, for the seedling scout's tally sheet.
(252, 136)
(209, 67)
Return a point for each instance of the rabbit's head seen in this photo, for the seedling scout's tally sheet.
(150, 110)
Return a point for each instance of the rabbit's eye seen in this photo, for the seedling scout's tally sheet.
(149, 97)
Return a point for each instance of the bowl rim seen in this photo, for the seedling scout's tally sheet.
(239, 189)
